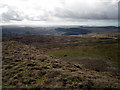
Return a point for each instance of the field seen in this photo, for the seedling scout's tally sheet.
(76, 61)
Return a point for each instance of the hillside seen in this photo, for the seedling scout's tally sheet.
(50, 62)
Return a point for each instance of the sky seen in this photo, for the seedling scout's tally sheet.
(59, 12)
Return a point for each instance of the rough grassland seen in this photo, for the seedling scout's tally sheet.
(59, 62)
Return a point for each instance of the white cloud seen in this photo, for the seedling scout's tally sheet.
(58, 11)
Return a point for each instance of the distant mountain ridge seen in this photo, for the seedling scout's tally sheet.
(73, 31)
(81, 30)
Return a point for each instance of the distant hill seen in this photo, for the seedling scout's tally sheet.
(73, 31)
(87, 30)
(26, 31)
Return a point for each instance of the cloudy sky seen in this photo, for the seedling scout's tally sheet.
(59, 12)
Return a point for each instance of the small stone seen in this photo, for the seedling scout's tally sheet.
(65, 55)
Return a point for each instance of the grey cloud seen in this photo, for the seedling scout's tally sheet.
(11, 15)
(102, 11)
(106, 11)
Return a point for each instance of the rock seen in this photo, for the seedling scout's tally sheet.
(65, 55)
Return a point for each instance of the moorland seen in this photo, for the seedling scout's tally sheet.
(84, 59)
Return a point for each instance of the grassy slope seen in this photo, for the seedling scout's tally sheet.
(98, 52)
(33, 64)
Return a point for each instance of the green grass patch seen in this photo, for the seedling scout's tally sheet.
(103, 52)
